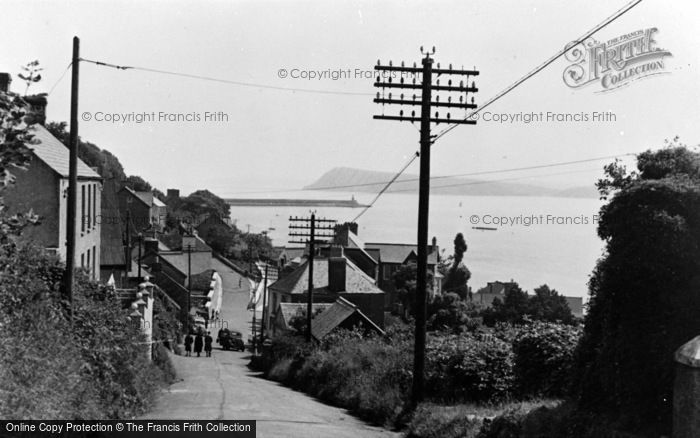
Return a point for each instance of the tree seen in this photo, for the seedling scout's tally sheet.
(512, 309)
(138, 184)
(644, 290)
(458, 275)
(31, 74)
(405, 282)
(15, 136)
(547, 305)
(107, 165)
(450, 312)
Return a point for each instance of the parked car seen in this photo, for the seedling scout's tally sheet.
(230, 340)
(200, 325)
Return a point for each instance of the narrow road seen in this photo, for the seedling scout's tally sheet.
(222, 387)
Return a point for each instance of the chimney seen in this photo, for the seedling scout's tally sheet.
(38, 104)
(150, 245)
(5, 81)
(173, 194)
(189, 240)
(336, 273)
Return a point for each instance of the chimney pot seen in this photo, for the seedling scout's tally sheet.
(5, 81)
(336, 274)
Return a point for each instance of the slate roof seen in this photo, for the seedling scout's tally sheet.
(398, 252)
(296, 282)
(332, 317)
(56, 155)
(289, 310)
(136, 195)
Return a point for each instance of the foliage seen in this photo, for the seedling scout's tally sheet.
(450, 313)
(512, 309)
(436, 421)
(15, 136)
(544, 357)
(299, 320)
(138, 184)
(643, 291)
(458, 275)
(517, 307)
(405, 281)
(32, 74)
(220, 237)
(471, 366)
(49, 368)
(107, 165)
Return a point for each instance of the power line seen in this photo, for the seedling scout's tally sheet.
(381, 192)
(61, 78)
(542, 66)
(224, 81)
(456, 175)
(473, 183)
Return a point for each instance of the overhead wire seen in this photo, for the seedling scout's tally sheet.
(542, 66)
(60, 78)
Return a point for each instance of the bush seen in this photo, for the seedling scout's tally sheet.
(94, 368)
(544, 356)
(435, 421)
(475, 367)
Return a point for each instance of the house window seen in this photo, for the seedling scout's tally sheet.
(82, 209)
(82, 260)
(89, 209)
(94, 206)
(387, 272)
(94, 260)
(88, 259)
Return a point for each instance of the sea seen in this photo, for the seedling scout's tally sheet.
(531, 240)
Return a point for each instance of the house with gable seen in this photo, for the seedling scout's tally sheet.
(43, 189)
(334, 276)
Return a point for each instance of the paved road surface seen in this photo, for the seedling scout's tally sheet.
(222, 387)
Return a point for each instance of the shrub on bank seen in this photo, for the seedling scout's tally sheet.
(475, 367)
(544, 357)
(94, 368)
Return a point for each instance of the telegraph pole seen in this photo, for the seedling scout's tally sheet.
(264, 321)
(308, 228)
(189, 284)
(426, 102)
(69, 274)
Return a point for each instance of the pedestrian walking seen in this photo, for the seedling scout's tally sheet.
(198, 343)
(207, 344)
(188, 344)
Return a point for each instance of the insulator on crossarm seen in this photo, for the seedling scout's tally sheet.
(402, 64)
(448, 116)
(460, 99)
(438, 65)
(389, 95)
(401, 113)
(473, 84)
(401, 96)
(438, 82)
(402, 79)
(449, 99)
(390, 64)
(472, 99)
(378, 63)
(437, 115)
(450, 66)
(389, 79)
(414, 97)
(449, 82)
(414, 64)
(379, 79)
(377, 94)
(461, 84)
(413, 113)
(437, 98)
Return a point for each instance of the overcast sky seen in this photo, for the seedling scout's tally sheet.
(276, 139)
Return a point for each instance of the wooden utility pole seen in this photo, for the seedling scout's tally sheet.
(426, 102)
(264, 321)
(189, 285)
(308, 231)
(69, 274)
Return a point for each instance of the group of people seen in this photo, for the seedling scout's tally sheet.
(199, 341)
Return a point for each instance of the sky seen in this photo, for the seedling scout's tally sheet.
(277, 139)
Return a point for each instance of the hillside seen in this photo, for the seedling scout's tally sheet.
(359, 180)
